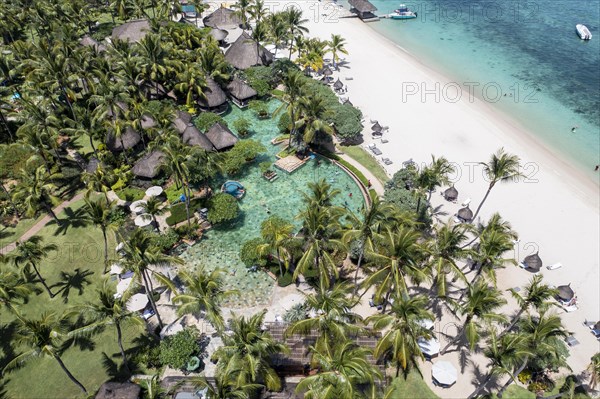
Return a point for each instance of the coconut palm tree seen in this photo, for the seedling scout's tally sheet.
(84, 125)
(35, 191)
(495, 223)
(313, 112)
(535, 295)
(293, 83)
(175, 163)
(191, 82)
(226, 385)
(13, 290)
(502, 167)
(212, 61)
(489, 256)
(249, 349)
(258, 11)
(344, 372)
(276, 233)
(153, 208)
(277, 29)
(365, 229)
(242, 10)
(336, 46)
(108, 311)
(402, 329)
(99, 212)
(504, 353)
(100, 180)
(295, 24)
(203, 295)
(400, 256)
(139, 254)
(30, 253)
(43, 336)
(594, 370)
(260, 33)
(329, 315)
(479, 308)
(156, 66)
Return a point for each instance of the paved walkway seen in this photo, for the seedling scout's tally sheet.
(39, 225)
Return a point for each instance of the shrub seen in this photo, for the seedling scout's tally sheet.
(244, 152)
(165, 241)
(178, 212)
(13, 158)
(285, 280)
(260, 78)
(206, 120)
(260, 108)
(176, 350)
(119, 215)
(296, 313)
(346, 120)
(222, 208)
(148, 355)
(285, 123)
(249, 253)
(242, 127)
(524, 376)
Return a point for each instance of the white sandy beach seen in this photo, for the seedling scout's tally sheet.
(555, 210)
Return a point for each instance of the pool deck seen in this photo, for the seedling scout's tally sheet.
(290, 163)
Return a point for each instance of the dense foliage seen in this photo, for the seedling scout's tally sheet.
(206, 120)
(249, 253)
(176, 350)
(243, 153)
(222, 208)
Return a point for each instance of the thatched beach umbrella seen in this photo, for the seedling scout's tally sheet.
(222, 18)
(451, 194)
(193, 137)
(533, 262)
(221, 137)
(376, 127)
(565, 292)
(132, 31)
(347, 102)
(338, 85)
(465, 214)
(327, 71)
(245, 53)
(148, 166)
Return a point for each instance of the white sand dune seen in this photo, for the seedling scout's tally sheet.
(554, 210)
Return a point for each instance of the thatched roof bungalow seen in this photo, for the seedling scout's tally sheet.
(193, 137)
(88, 41)
(363, 9)
(128, 139)
(222, 18)
(93, 164)
(221, 137)
(119, 390)
(148, 166)
(245, 53)
(181, 121)
(216, 99)
(240, 92)
(132, 31)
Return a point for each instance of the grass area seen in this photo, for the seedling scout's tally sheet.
(131, 194)
(366, 160)
(411, 388)
(75, 273)
(82, 143)
(10, 234)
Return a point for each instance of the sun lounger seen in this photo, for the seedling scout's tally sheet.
(570, 309)
(408, 162)
(384, 140)
(387, 161)
(376, 151)
(554, 266)
(571, 341)
(466, 202)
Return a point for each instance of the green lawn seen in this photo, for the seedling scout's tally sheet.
(80, 257)
(413, 387)
(10, 234)
(366, 160)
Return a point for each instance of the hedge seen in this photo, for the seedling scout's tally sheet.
(178, 213)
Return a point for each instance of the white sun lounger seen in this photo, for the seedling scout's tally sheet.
(466, 202)
(376, 151)
(554, 266)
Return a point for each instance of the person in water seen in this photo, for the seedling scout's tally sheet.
(596, 168)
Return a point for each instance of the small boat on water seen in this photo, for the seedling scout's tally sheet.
(402, 13)
(583, 32)
(233, 188)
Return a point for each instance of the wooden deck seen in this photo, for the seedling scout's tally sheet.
(290, 163)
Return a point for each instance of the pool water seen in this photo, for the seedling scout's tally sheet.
(220, 246)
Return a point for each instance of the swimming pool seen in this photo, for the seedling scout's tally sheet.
(282, 197)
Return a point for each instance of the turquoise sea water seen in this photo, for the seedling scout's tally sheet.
(526, 49)
(220, 247)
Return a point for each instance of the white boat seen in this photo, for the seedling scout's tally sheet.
(583, 32)
(402, 13)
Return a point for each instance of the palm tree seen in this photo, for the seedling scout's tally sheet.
(313, 112)
(489, 256)
(13, 290)
(226, 385)
(242, 9)
(249, 349)
(277, 30)
(155, 63)
(495, 223)
(445, 250)
(30, 253)
(434, 175)
(212, 61)
(336, 46)
(365, 229)
(175, 163)
(536, 295)
(153, 208)
(505, 353)
(192, 83)
(39, 130)
(139, 254)
(108, 311)
(402, 328)
(502, 167)
(293, 83)
(258, 10)
(99, 212)
(260, 33)
(480, 307)
(594, 370)
(400, 253)
(330, 315)
(203, 295)
(36, 192)
(344, 372)
(276, 233)
(295, 24)
(43, 336)
(100, 180)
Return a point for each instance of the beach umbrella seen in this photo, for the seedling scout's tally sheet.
(137, 302)
(116, 269)
(465, 214)
(347, 101)
(123, 285)
(426, 323)
(429, 347)
(338, 85)
(533, 262)
(142, 220)
(137, 206)
(327, 72)
(154, 191)
(376, 127)
(451, 194)
(565, 292)
(444, 373)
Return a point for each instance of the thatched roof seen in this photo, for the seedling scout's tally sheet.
(92, 165)
(132, 31)
(129, 139)
(148, 165)
(376, 127)
(88, 41)
(181, 121)
(147, 122)
(338, 84)
(533, 262)
(465, 214)
(221, 137)
(119, 390)
(244, 53)
(362, 6)
(218, 34)
(215, 96)
(193, 136)
(451, 194)
(565, 292)
(327, 71)
(222, 18)
(240, 89)
(347, 101)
